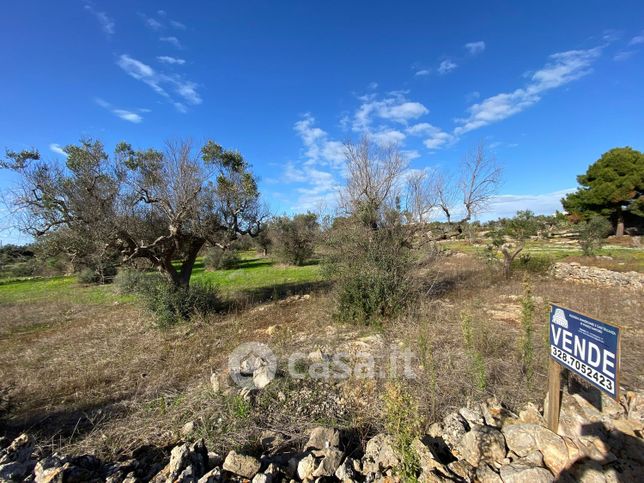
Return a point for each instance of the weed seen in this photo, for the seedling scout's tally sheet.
(479, 374)
(402, 422)
(239, 407)
(527, 326)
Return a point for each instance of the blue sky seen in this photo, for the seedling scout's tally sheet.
(549, 86)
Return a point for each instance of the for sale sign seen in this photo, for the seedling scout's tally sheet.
(586, 346)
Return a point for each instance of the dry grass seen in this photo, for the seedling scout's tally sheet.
(101, 378)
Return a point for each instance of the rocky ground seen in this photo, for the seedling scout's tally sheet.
(598, 440)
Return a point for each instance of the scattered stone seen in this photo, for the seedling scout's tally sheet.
(242, 465)
(262, 377)
(323, 438)
(306, 467)
(188, 428)
(214, 382)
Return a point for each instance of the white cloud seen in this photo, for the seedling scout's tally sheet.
(434, 136)
(446, 66)
(177, 25)
(623, 55)
(503, 206)
(394, 108)
(638, 39)
(124, 114)
(166, 59)
(58, 149)
(319, 148)
(107, 23)
(151, 22)
(475, 47)
(128, 115)
(160, 82)
(172, 41)
(422, 72)
(388, 137)
(563, 67)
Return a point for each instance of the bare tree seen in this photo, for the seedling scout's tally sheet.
(422, 195)
(157, 205)
(476, 186)
(374, 180)
(479, 181)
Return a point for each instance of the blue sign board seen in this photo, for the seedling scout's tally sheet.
(587, 347)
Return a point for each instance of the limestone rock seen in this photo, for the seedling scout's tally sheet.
(380, 454)
(213, 476)
(482, 443)
(453, 428)
(346, 472)
(472, 416)
(330, 462)
(485, 474)
(521, 473)
(242, 465)
(323, 438)
(525, 438)
(530, 414)
(306, 467)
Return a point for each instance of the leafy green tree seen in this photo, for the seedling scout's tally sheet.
(162, 206)
(592, 234)
(295, 237)
(612, 187)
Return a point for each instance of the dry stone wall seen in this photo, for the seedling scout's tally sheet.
(576, 272)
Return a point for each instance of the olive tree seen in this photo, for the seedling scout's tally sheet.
(158, 205)
(511, 237)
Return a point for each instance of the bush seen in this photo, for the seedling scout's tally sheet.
(98, 274)
(172, 304)
(130, 281)
(592, 234)
(295, 237)
(533, 263)
(372, 271)
(218, 259)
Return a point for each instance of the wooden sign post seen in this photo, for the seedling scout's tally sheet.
(554, 395)
(589, 348)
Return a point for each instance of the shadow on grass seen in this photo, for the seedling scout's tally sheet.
(256, 296)
(62, 426)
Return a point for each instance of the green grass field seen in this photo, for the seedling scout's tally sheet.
(623, 259)
(255, 273)
(253, 276)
